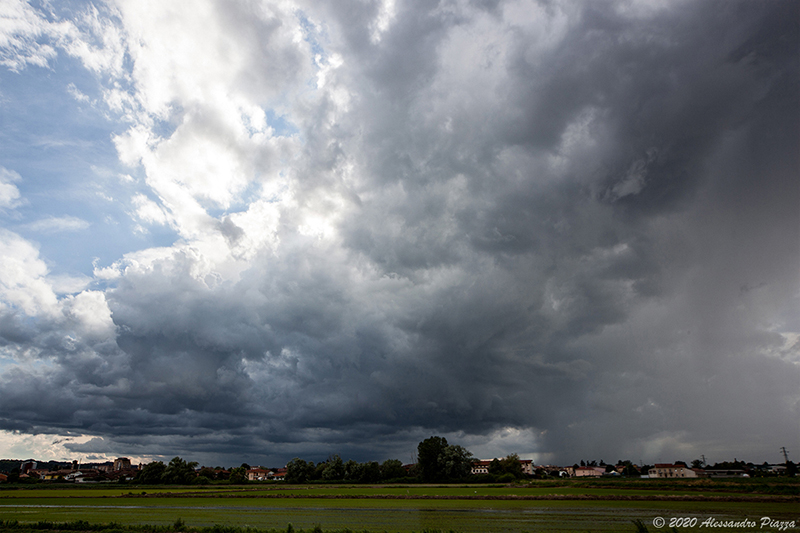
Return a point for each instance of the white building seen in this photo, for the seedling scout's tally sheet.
(662, 470)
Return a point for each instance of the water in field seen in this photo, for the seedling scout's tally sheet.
(400, 509)
(373, 519)
(375, 516)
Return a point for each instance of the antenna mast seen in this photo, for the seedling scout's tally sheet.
(785, 454)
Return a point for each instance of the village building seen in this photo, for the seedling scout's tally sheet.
(258, 474)
(482, 466)
(123, 463)
(663, 470)
(590, 471)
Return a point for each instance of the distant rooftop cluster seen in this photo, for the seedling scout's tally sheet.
(119, 469)
(122, 470)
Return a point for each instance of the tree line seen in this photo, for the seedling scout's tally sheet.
(436, 461)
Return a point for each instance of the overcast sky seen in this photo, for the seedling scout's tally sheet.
(253, 230)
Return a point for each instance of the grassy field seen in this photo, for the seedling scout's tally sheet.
(569, 505)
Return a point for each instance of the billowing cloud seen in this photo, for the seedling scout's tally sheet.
(9, 193)
(563, 230)
(23, 283)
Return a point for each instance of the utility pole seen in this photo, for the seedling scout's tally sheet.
(785, 454)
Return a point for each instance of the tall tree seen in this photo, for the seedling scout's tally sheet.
(152, 473)
(299, 471)
(428, 452)
(438, 461)
(334, 469)
(511, 465)
(179, 471)
(455, 462)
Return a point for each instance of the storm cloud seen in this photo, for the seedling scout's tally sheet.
(562, 229)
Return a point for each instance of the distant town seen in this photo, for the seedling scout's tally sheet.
(437, 461)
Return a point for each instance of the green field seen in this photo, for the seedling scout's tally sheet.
(562, 506)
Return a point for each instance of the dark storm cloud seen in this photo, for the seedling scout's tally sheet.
(586, 228)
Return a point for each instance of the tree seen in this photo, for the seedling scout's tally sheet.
(207, 472)
(371, 473)
(152, 473)
(508, 465)
(455, 462)
(238, 475)
(439, 461)
(506, 478)
(299, 471)
(392, 469)
(511, 465)
(318, 470)
(628, 468)
(334, 469)
(179, 471)
(353, 471)
(631, 470)
(428, 452)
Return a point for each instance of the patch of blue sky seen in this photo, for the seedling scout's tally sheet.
(165, 128)
(62, 9)
(61, 146)
(250, 194)
(313, 33)
(281, 125)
